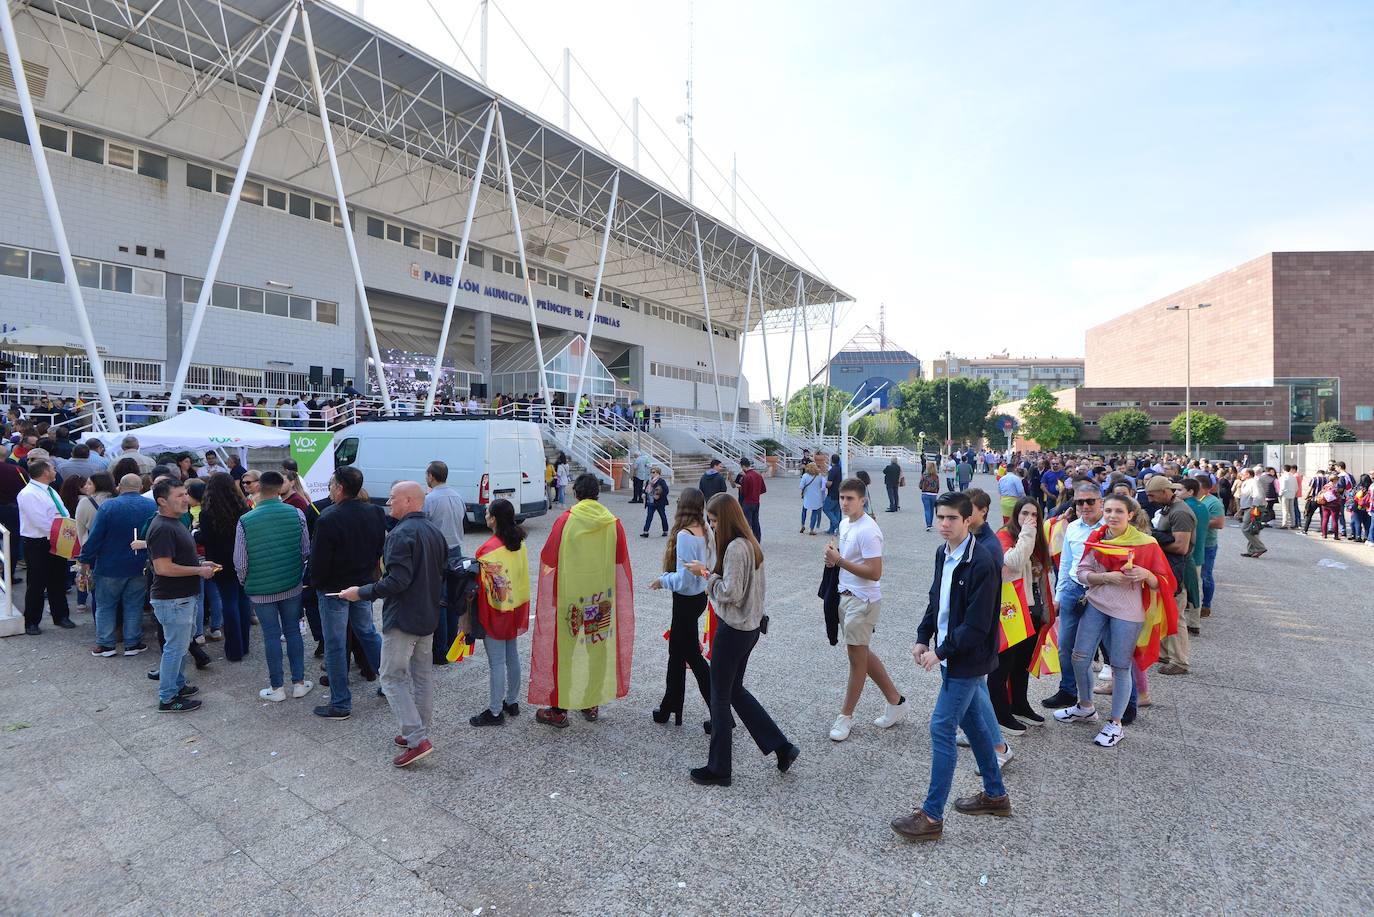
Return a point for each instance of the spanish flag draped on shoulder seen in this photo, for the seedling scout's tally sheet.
(1161, 612)
(584, 618)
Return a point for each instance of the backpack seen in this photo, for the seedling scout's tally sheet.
(1328, 494)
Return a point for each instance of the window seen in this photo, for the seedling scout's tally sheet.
(475, 256)
(116, 278)
(445, 249)
(121, 157)
(276, 304)
(12, 127)
(54, 138)
(300, 206)
(225, 296)
(91, 149)
(393, 232)
(410, 238)
(563, 282)
(43, 266)
(276, 199)
(199, 177)
(298, 307)
(223, 183)
(346, 452)
(376, 228)
(14, 262)
(250, 300)
(326, 313)
(252, 193)
(190, 289)
(323, 212)
(429, 243)
(152, 165)
(496, 263)
(1364, 412)
(149, 283)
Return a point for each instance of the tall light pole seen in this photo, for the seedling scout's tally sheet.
(1188, 371)
(949, 401)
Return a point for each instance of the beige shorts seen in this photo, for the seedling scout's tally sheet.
(860, 619)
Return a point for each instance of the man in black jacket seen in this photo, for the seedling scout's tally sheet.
(958, 634)
(712, 480)
(349, 535)
(892, 479)
(416, 558)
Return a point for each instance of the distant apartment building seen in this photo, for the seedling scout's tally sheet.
(1014, 377)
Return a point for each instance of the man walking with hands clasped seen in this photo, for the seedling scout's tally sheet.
(859, 554)
(959, 635)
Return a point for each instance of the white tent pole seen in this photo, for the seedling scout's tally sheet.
(64, 252)
(806, 343)
(189, 344)
(524, 267)
(829, 355)
(710, 329)
(787, 383)
(743, 338)
(462, 259)
(596, 301)
(763, 333)
(344, 220)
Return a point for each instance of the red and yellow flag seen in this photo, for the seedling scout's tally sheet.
(460, 649)
(1054, 537)
(1134, 548)
(503, 601)
(1013, 618)
(1045, 659)
(708, 633)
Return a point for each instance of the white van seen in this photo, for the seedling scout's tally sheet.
(487, 459)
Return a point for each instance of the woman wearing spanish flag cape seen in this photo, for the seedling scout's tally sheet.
(503, 609)
(1026, 593)
(584, 622)
(1130, 608)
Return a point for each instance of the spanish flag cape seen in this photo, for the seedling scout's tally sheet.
(1161, 613)
(1054, 535)
(584, 619)
(503, 601)
(1013, 612)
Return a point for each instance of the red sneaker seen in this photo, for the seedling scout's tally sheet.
(400, 742)
(411, 755)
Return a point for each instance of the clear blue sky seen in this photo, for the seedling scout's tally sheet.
(1001, 175)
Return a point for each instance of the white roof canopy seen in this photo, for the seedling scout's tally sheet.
(201, 430)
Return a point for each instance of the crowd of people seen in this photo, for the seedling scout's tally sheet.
(1086, 564)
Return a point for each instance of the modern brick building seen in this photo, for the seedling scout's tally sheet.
(1285, 343)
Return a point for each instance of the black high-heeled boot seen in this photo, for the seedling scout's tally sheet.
(661, 716)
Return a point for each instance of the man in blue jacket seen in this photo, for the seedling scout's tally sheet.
(959, 635)
(119, 581)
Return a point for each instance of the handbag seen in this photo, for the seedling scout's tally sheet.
(901, 481)
(63, 539)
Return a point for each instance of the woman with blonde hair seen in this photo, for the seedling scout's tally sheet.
(735, 585)
(690, 542)
(813, 496)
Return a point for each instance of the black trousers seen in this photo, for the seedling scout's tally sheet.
(751, 513)
(1008, 685)
(892, 502)
(684, 652)
(639, 490)
(47, 580)
(729, 657)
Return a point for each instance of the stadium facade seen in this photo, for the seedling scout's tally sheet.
(145, 111)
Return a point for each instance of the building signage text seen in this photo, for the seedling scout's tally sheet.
(472, 286)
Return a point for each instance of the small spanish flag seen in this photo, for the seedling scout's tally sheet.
(1012, 618)
(708, 635)
(460, 649)
(1045, 661)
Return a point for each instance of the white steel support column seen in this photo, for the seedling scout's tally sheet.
(217, 252)
(462, 260)
(567, 90)
(829, 355)
(763, 332)
(634, 133)
(806, 345)
(743, 338)
(482, 70)
(346, 223)
(787, 382)
(524, 267)
(710, 329)
(40, 164)
(596, 301)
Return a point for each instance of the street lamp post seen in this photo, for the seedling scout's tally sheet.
(1188, 371)
(949, 400)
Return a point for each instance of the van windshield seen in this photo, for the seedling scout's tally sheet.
(346, 452)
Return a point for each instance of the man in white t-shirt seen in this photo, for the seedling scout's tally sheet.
(858, 552)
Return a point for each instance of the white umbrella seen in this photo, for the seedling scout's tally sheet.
(43, 341)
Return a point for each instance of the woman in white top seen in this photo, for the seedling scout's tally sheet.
(948, 467)
(813, 496)
(690, 542)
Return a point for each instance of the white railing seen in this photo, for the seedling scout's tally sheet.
(11, 619)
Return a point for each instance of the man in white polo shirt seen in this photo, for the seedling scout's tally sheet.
(858, 552)
(39, 505)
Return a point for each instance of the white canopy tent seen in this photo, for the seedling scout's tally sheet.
(201, 430)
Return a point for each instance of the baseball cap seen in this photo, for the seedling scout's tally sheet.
(1159, 483)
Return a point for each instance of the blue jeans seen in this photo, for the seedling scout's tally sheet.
(336, 617)
(957, 706)
(1066, 599)
(1120, 637)
(277, 618)
(831, 508)
(751, 514)
(177, 617)
(503, 663)
(237, 613)
(928, 502)
(815, 517)
(112, 592)
(1209, 584)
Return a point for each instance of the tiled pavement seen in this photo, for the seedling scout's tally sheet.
(1244, 789)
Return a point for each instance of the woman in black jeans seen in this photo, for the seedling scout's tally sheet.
(736, 587)
(219, 518)
(690, 542)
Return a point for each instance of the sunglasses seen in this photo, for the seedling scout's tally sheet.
(1084, 502)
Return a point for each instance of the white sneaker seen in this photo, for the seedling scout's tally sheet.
(275, 695)
(1111, 734)
(893, 714)
(840, 731)
(1003, 757)
(1076, 714)
(302, 689)
(1104, 673)
(961, 740)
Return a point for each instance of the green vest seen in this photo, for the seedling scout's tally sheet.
(272, 535)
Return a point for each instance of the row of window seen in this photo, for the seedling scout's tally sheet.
(665, 371)
(96, 275)
(1241, 404)
(263, 302)
(256, 193)
(90, 147)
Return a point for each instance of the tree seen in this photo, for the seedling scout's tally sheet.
(1127, 427)
(883, 428)
(1208, 429)
(921, 407)
(828, 403)
(1044, 422)
(1331, 431)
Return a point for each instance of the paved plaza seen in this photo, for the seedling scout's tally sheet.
(1243, 790)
